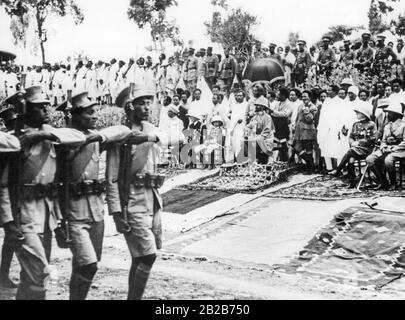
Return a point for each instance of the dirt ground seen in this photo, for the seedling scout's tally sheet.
(177, 277)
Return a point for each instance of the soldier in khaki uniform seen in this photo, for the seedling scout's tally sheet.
(272, 52)
(87, 187)
(302, 64)
(227, 72)
(37, 192)
(136, 206)
(382, 54)
(191, 71)
(365, 55)
(348, 55)
(211, 68)
(326, 58)
(392, 147)
(8, 116)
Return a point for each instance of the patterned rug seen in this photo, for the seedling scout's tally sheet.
(360, 246)
(243, 179)
(327, 188)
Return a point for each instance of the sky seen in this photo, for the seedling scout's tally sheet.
(107, 32)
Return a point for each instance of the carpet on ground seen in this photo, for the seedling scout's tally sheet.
(328, 188)
(361, 246)
(184, 201)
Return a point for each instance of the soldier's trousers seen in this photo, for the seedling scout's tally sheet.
(34, 255)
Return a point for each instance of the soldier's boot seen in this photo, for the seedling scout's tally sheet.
(25, 292)
(393, 180)
(309, 161)
(351, 172)
(81, 280)
(138, 277)
(382, 180)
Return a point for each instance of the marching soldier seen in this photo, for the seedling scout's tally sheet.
(326, 58)
(86, 203)
(9, 116)
(212, 67)
(302, 63)
(348, 55)
(191, 71)
(6, 218)
(365, 55)
(36, 192)
(135, 202)
(392, 147)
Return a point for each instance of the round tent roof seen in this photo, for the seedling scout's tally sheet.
(5, 56)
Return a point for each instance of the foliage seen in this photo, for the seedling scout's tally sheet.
(233, 32)
(24, 12)
(399, 25)
(378, 9)
(152, 13)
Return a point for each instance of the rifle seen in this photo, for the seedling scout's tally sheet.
(125, 169)
(16, 167)
(63, 232)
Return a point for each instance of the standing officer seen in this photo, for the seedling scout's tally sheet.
(6, 219)
(134, 201)
(382, 55)
(272, 52)
(227, 72)
(302, 63)
(87, 187)
(37, 192)
(212, 67)
(365, 55)
(191, 71)
(326, 58)
(348, 55)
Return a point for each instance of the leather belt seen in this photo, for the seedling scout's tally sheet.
(154, 181)
(51, 191)
(87, 188)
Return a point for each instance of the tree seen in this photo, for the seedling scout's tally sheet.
(377, 11)
(233, 32)
(399, 25)
(25, 12)
(152, 13)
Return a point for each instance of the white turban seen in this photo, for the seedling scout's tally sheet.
(354, 89)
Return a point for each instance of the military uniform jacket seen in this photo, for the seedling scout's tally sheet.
(396, 130)
(8, 144)
(228, 68)
(326, 57)
(39, 167)
(211, 66)
(85, 166)
(347, 57)
(364, 132)
(365, 55)
(305, 128)
(275, 56)
(144, 160)
(191, 69)
(303, 62)
(385, 53)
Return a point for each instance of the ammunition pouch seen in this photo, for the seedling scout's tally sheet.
(152, 181)
(40, 191)
(87, 188)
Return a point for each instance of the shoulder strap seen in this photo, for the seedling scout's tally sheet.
(81, 160)
(33, 165)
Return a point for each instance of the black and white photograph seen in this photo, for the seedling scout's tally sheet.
(221, 151)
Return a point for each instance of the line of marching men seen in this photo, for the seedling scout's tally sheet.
(42, 203)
